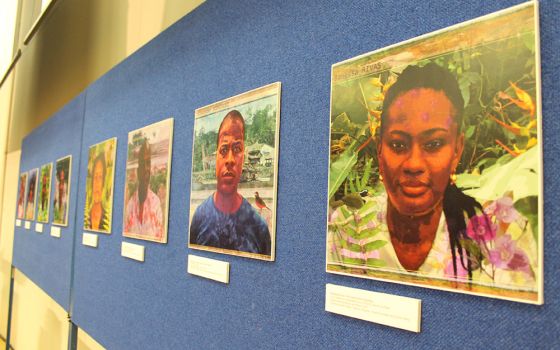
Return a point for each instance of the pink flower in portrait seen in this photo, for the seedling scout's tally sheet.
(481, 228)
(503, 209)
(507, 256)
(333, 216)
(503, 252)
(462, 273)
(372, 224)
(357, 217)
(381, 215)
(374, 254)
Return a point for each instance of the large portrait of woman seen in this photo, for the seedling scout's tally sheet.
(435, 166)
(98, 210)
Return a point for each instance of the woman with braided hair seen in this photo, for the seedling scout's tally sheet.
(419, 223)
(419, 148)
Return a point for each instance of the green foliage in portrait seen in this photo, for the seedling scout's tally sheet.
(44, 191)
(499, 121)
(357, 239)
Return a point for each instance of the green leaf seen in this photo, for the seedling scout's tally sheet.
(351, 261)
(529, 41)
(470, 131)
(351, 232)
(343, 124)
(351, 178)
(471, 247)
(376, 263)
(468, 181)
(341, 168)
(519, 175)
(529, 208)
(367, 173)
(504, 159)
(369, 232)
(466, 92)
(350, 246)
(486, 162)
(465, 82)
(366, 207)
(369, 217)
(345, 212)
(375, 245)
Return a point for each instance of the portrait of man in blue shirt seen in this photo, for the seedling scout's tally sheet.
(226, 219)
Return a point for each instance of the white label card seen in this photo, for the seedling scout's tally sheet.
(18, 222)
(39, 227)
(132, 251)
(387, 309)
(208, 268)
(55, 231)
(90, 239)
(27, 225)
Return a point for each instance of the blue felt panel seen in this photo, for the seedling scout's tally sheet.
(225, 48)
(47, 260)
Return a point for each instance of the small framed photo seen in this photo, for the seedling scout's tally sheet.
(31, 195)
(45, 174)
(436, 160)
(234, 175)
(63, 174)
(148, 171)
(21, 196)
(98, 210)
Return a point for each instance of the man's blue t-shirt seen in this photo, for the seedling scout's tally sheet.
(244, 230)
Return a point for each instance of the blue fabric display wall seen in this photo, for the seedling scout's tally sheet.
(45, 259)
(225, 48)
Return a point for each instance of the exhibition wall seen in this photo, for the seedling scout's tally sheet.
(44, 258)
(55, 66)
(37, 321)
(216, 52)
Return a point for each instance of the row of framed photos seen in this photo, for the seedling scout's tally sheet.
(234, 176)
(435, 169)
(39, 181)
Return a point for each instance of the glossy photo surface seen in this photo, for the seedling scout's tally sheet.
(148, 168)
(98, 211)
(435, 160)
(235, 170)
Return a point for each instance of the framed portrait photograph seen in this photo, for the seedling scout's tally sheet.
(31, 194)
(20, 214)
(98, 210)
(62, 176)
(234, 175)
(45, 174)
(435, 174)
(148, 170)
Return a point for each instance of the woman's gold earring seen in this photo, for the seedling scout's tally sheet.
(380, 177)
(453, 178)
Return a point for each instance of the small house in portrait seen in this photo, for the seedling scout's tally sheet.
(260, 154)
